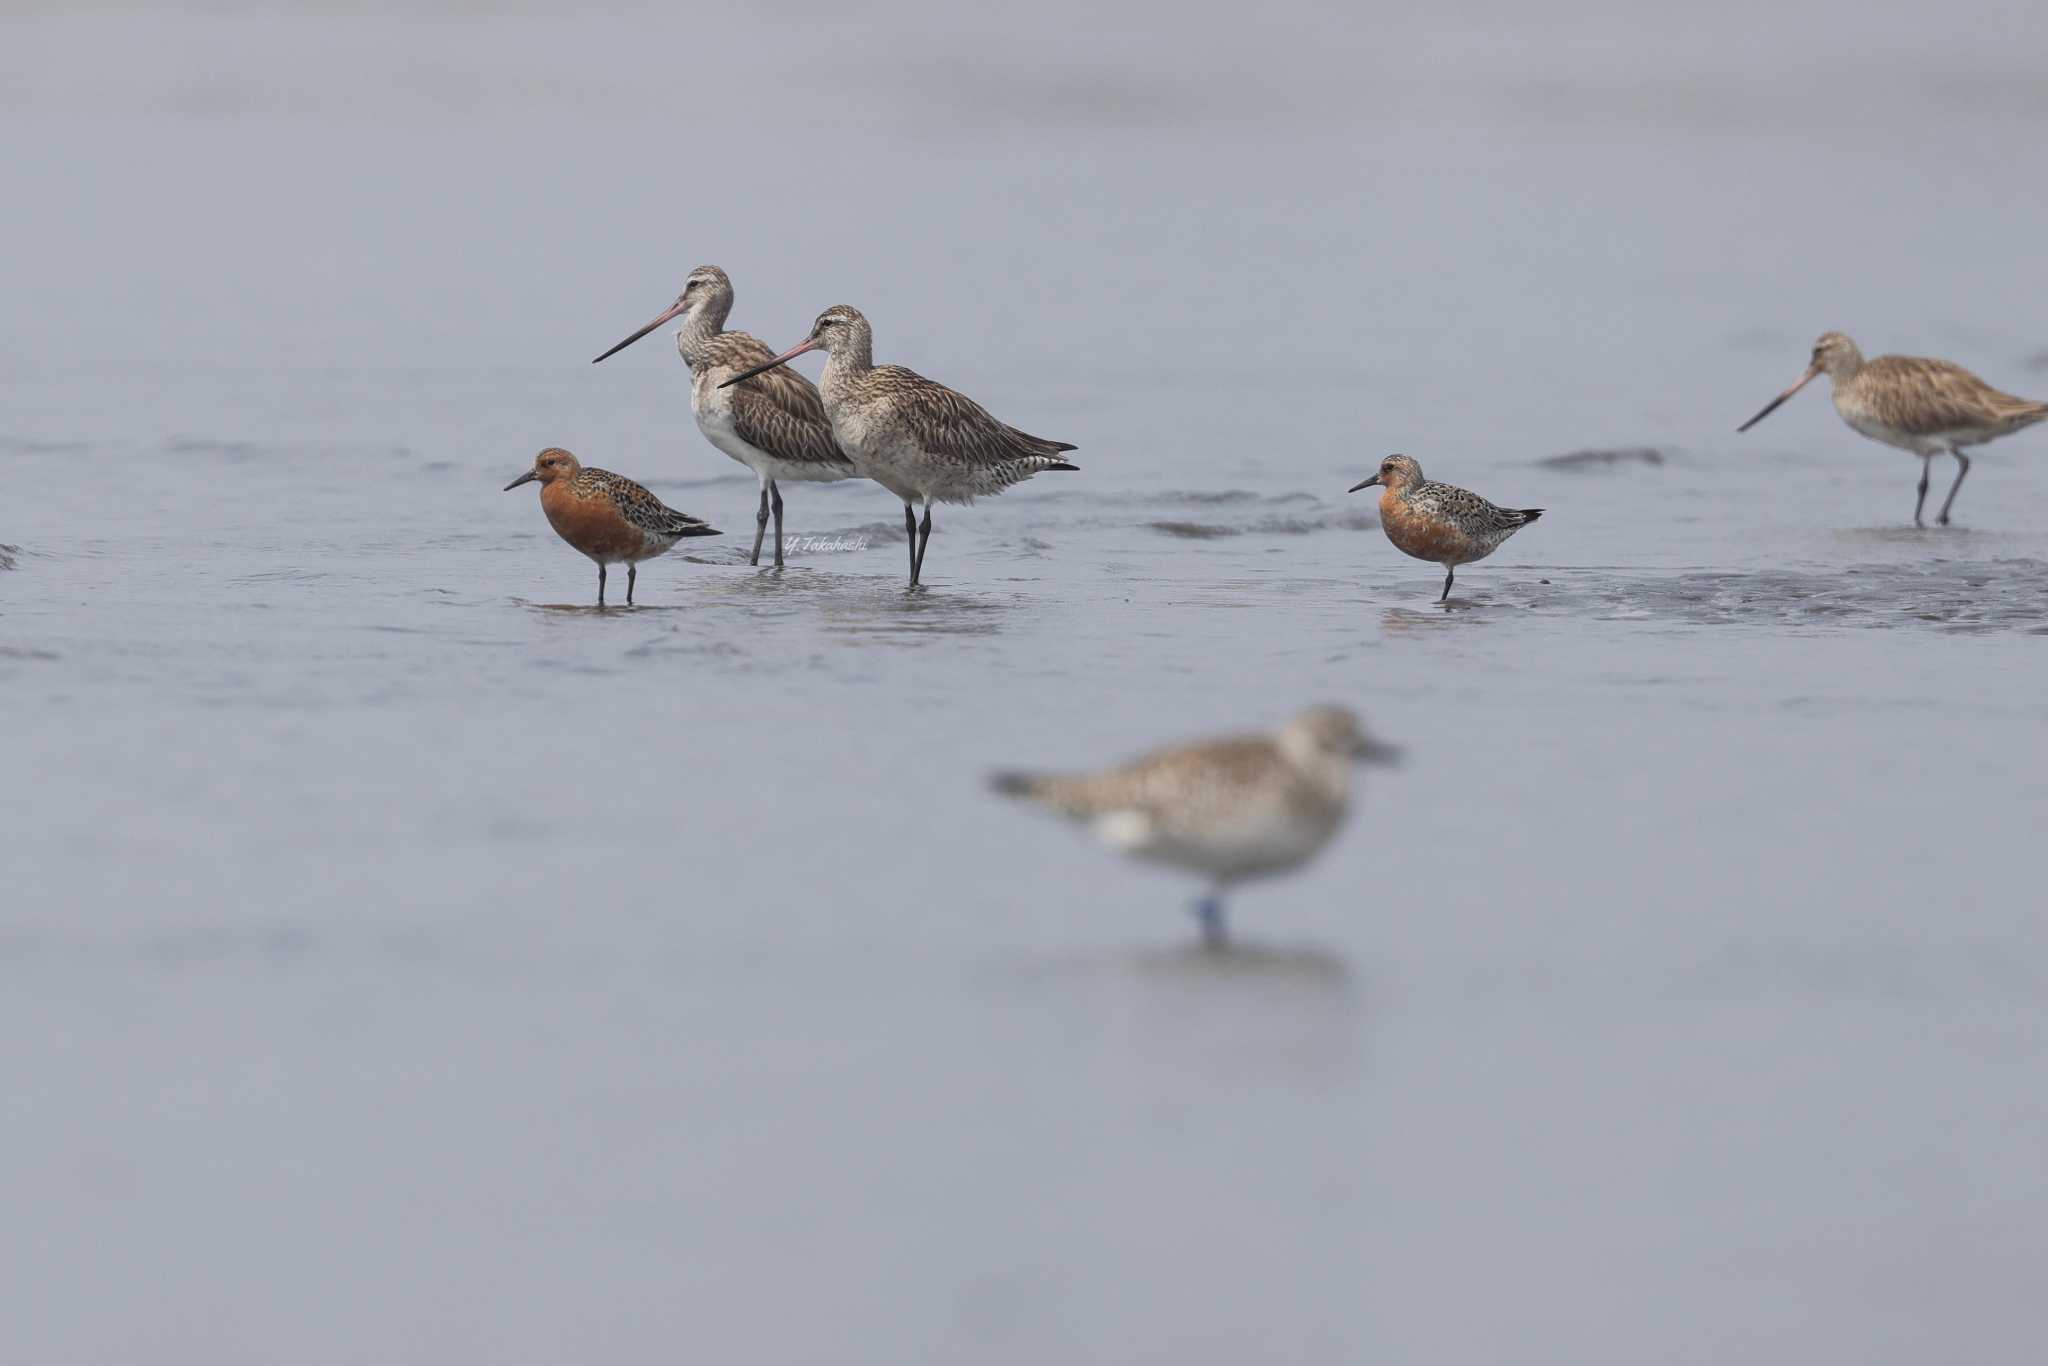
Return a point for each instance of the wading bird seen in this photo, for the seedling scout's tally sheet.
(918, 439)
(606, 516)
(774, 424)
(1915, 403)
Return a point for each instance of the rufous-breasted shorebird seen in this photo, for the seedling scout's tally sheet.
(606, 516)
(1440, 523)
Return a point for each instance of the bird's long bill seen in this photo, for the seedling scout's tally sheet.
(785, 358)
(526, 478)
(1364, 484)
(673, 310)
(1379, 752)
(1772, 406)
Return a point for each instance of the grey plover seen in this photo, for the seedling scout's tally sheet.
(1915, 403)
(918, 439)
(606, 516)
(1440, 523)
(1227, 809)
(774, 424)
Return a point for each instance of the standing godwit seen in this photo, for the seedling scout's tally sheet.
(606, 516)
(1440, 523)
(916, 438)
(774, 425)
(1917, 404)
(1229, 809)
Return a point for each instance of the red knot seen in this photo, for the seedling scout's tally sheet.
(1440, 523)
(606, 516)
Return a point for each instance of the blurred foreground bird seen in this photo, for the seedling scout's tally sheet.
(1228, 809)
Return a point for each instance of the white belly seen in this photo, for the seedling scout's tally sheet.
(1261, 840)
(1878, 431)
(878, 454)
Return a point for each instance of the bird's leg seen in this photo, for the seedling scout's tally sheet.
(761, 527)
(1209, 915)
(1926, 462)
(600, 585)
(910, 539)
(924, 538)
(775, 497)
(1450, 572)
(632, 573)
(1962, 468)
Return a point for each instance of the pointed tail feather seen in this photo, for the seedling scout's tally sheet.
(1012, 784)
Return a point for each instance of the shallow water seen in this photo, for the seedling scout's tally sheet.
(403, 961)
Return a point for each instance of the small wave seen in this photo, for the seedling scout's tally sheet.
(1271, 526)
(1592, 459)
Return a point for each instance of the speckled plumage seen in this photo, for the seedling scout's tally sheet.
(1914, 403)
(773, 423)
(1441, 523)
(1228, 809)
(608, 517)
(923, 442)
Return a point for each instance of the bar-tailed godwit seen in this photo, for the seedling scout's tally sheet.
(606, 516)
(1440, 523)
(774, 424)
(1228, 809)
(1915, 403)
(916, 438)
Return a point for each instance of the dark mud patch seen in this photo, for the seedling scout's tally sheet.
(1958, 597)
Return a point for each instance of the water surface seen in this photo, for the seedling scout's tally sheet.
(404, 962)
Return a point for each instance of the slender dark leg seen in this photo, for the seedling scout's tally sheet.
(600, 585)
(761, 527)
(910, 538)
(924, 538)
(632, 573)
(1962, 468)
(1209, 915)
(1926, 461)
(1450, 572)
(775, 497)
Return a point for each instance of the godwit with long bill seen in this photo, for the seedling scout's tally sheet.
(1229, 809)
(774, 423)
(606, 516)
(1915, 403)
(915, 437)
(1441, 523)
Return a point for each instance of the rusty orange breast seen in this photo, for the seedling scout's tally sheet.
(594, 526)
(1416, 533)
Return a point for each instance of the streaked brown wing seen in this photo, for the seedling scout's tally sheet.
(785, 433)
(1921, 396)
(946, 422)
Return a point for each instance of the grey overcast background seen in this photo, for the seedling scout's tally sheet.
(399, 964)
